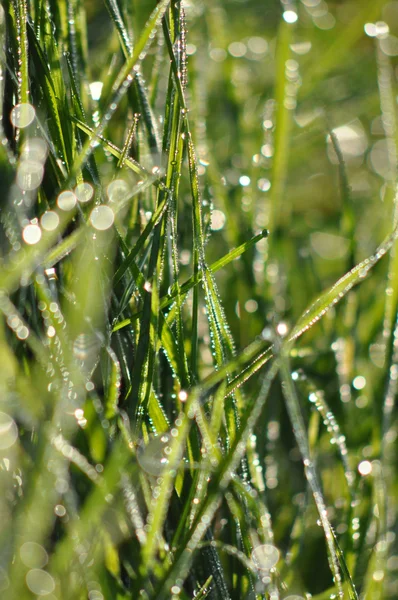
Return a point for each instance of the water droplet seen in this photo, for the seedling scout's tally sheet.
(183, 396)
(33, 555)
(60, 510)
(67, 200)
(40, 582)
(264, 184)
(31, 234)
(265, 557)
(8, 431)
(84, 192)
(244, 180)
(50, 221)
(102, 217)
(95, 595)
(22, 115)
(153, 456)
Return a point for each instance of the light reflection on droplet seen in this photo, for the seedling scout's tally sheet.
(95, 595)
(66, 200)
(102, 217)
(29, 175)
(290, 16)
(84, 192)
(265, 557)
(257, 45)
(359, 382)
(40, 582)
(31, 234)
(22, 115)
(301, 48)
(60, 510)
(8, 431)
(153, 456)
(264, 184)
(50, 221)
(237, 49)
(33, 555)
(244, 180)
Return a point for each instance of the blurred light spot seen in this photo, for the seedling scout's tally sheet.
(33, 555)
(96, 89)
(251, 306)
(365, 467)
(359, 382)
(301, 47)
(392, 563)
(378, 575)
(389, 45)
(191, 49)
(263, 184)
(311, 3)
(217, 220)
(257, 45)
(102, 217)
(84, 192)
(351, 139)
(282, 329)
(183, 396)
(382, 29)
(34, 149)
(95, 595)
(328, 245)
(244, 180)
(8, 431)
(31, 234)
(29, 175)
(22, 115)
(66, 200)
(22, 332)
(51, 332)
(326, 21)
(50, 221)
(267, 150)
(290, 16)
(294, 597)
(237, 49)
(153, 456)
(379, 159)
(265, 557)
(117, 190)
(218, 54)
(39, 582)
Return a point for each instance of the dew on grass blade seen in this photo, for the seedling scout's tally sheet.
(33, 555)
(102, 217)
(40, 582)
(66, 200)
(49, 221)
(153, 455)
(22, 115)
(84, 192)
(31, 234)
(8, 431)
(265, 557)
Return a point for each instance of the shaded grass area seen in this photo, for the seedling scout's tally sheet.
(198, 296)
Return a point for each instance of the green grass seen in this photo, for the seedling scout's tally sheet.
(198, 300)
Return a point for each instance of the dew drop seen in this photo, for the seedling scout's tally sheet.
(117, 190)
(152, 457)
(102, 217)
(290, 16)
(34, 149)
(22, 115)
(31, 234)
